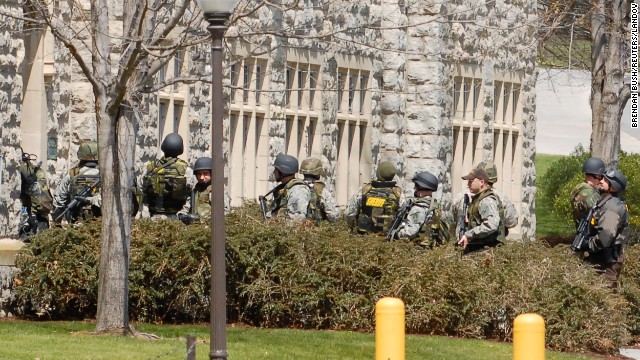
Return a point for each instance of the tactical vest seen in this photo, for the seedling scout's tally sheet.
(34, 192)
(434, 231)
(79, 182)
(621, 233)
(202, 200)
(165, 185)
(315, 211)
(380, 202)
(278, 206)
(473, 213)
(579, 200)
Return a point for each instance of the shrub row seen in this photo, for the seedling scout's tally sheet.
(326, 278)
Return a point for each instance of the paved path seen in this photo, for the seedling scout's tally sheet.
(564, 114)
(630, 353)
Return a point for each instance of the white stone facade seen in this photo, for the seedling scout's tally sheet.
(430, 84)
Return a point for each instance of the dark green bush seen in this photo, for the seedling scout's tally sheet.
(326, 278)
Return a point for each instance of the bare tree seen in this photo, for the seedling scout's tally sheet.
(122, 61)
(604, 24)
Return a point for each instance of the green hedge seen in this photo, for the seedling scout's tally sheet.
(326, 278)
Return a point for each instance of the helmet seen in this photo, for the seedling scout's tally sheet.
(204, 163)
(88, 151)
(617, 179)
(490, 168)
(593, 165)
(311, 166)
(425, 180)
(172, 145)
(386, 171)
(287, 164)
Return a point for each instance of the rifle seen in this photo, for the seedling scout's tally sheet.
(76, 203)
(262, 199)
(401, 215)
(582, 232)
(463, 216)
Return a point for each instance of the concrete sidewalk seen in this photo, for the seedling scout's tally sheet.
(630, 353)
(564, 114)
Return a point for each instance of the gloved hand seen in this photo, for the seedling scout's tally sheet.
(82, 200)
(188, 219)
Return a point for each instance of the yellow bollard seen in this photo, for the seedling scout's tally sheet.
(528, 337)
(389, 329)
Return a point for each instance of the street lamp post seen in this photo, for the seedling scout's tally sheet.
(217, 14)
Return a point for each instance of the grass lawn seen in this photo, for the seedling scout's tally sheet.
(548, 224)
(72, 340)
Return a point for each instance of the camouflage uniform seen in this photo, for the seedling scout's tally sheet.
(35, 197)
(327, 205)
(424, 223)
(291, 201)
(510, 215)
(609, 228)
(583, 197)
(202, 200)
(70, 186)
(161, 197)
(356, 211)
(484, 222)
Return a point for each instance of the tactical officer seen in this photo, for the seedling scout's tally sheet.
(508, 210)
(81, 179)
(291, 197)
(198, 205)
(322, 204)
(164, 184)
(374, 206)
(483, 220)
(610, 226)
(424, 221)
(586, 194)
(35, 197)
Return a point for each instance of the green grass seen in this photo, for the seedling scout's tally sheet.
(548, 224)
(72, 340)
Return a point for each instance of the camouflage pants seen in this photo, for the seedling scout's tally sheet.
(610, 270)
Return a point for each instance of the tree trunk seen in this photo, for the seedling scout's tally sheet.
(116, 142)
(608, 95)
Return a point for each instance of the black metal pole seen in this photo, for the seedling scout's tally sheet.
(217, 27)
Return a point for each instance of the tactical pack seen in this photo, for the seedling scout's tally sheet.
(434, 231)
(380, 202)
(165, 185)
(315, 211)
(34, 192)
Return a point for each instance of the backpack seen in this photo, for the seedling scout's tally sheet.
(434, 231)
(380, 202)
(165, 185)
(35, 195)
(315, 211)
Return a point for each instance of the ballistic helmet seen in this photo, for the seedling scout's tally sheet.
(594, 166)
(287, 164)
(425, 180)
(88, 151)
(172, 146)
(617, 179)
(490, 168)
(204, 163)
(386, 171)
(311, 166)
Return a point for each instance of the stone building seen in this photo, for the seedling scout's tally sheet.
(429, 84)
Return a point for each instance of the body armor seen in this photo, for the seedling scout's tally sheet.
(380, 202)
(165, 185)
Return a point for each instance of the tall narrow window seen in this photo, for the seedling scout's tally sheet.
(287, 92)
(363, 91)
(312, 87)
(246, 79)
(258, 83)
(234, 80)
(301, 81)
(353, 78)
(162, 76)
(177, 114)
(178, 60)
(341, 80)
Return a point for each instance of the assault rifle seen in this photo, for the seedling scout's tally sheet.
(463, 216)
(401, 215)
(262, 199)
(582, 232)
(78, 201)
